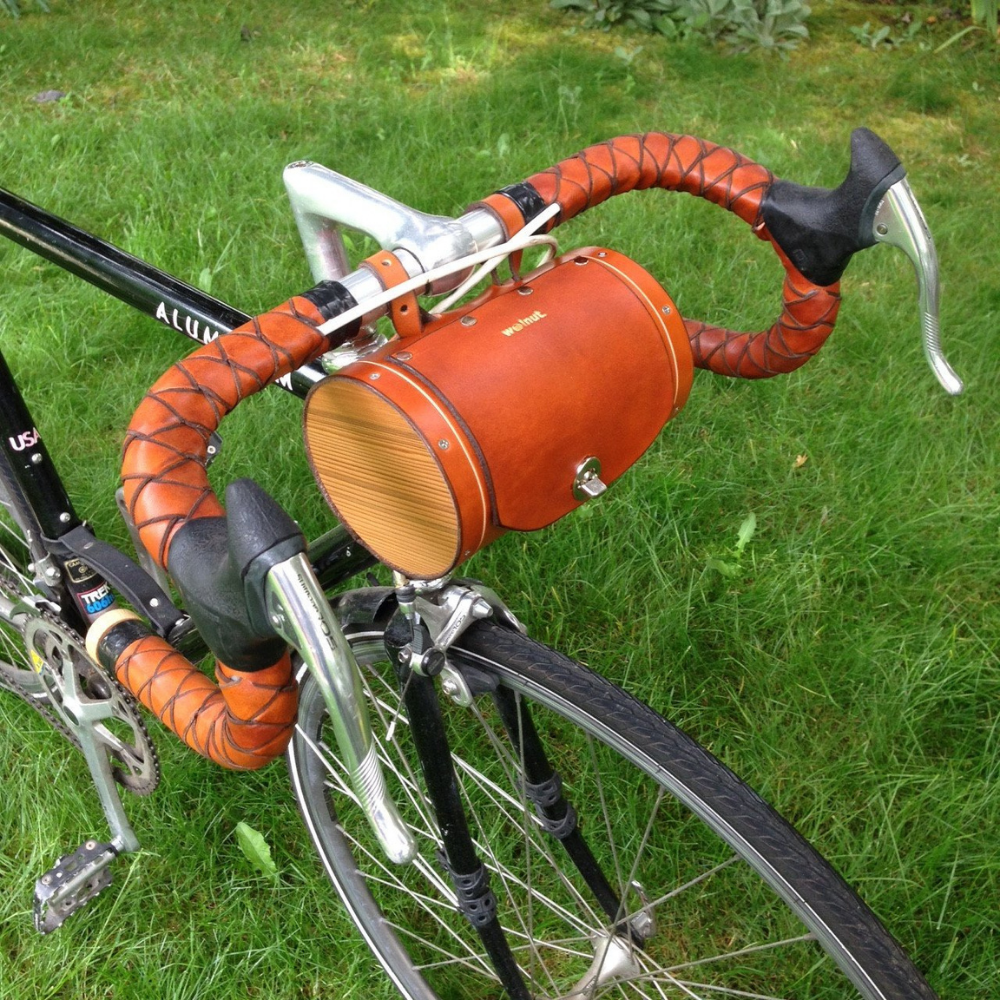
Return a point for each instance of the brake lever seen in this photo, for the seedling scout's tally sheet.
(820, 230)
(899, 222)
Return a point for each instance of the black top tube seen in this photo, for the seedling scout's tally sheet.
(156, 293)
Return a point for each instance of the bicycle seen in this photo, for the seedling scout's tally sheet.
(488, 810)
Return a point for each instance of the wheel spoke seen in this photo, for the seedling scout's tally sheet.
(741, 952)
(686, 903)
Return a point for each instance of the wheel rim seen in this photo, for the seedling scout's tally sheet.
(15, 585)
(699, 949)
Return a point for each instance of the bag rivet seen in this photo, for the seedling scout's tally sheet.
(374, 375)
(468, 321)
(403, 356)
(443, 444)
(667, 310)
(525, 290)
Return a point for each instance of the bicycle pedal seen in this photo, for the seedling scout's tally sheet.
(71, 883)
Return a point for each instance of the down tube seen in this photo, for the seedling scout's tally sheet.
(156, 293)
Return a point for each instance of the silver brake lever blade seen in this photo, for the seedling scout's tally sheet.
(301, 615)
(900, 223)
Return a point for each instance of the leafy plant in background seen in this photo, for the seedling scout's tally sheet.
(605, 13)
(985, 12)
(776, 25)
(872, 39)
(12, 8)
(984, 17)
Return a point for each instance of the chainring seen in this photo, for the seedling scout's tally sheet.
(50, 646)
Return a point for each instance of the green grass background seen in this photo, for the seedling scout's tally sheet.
(849, 668)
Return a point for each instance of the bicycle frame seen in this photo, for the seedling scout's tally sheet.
(159, 295)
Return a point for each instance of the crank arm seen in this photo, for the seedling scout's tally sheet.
(85, 713)
(300, 614)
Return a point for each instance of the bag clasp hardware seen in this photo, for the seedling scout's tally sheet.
(587, 484)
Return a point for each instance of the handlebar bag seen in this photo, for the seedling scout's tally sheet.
(491, 417)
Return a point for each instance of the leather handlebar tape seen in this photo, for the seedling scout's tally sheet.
(246, 719)
(720, 175)
(242, 722)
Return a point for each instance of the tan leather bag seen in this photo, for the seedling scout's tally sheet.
(503, 415)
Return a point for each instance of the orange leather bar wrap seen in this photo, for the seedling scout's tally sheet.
(247, 719)
(242, 723)
(163, 460)
(808, 314)
(724, 177)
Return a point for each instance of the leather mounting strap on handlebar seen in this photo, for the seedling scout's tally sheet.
(730, 180)
(389, 272)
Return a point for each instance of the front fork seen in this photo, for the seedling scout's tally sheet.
(417, 641)
(459, 857)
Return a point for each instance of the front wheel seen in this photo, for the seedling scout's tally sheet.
(715, 896)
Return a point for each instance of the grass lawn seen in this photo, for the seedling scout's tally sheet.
(847, 669)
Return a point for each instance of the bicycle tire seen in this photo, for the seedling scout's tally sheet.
(407, 915)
